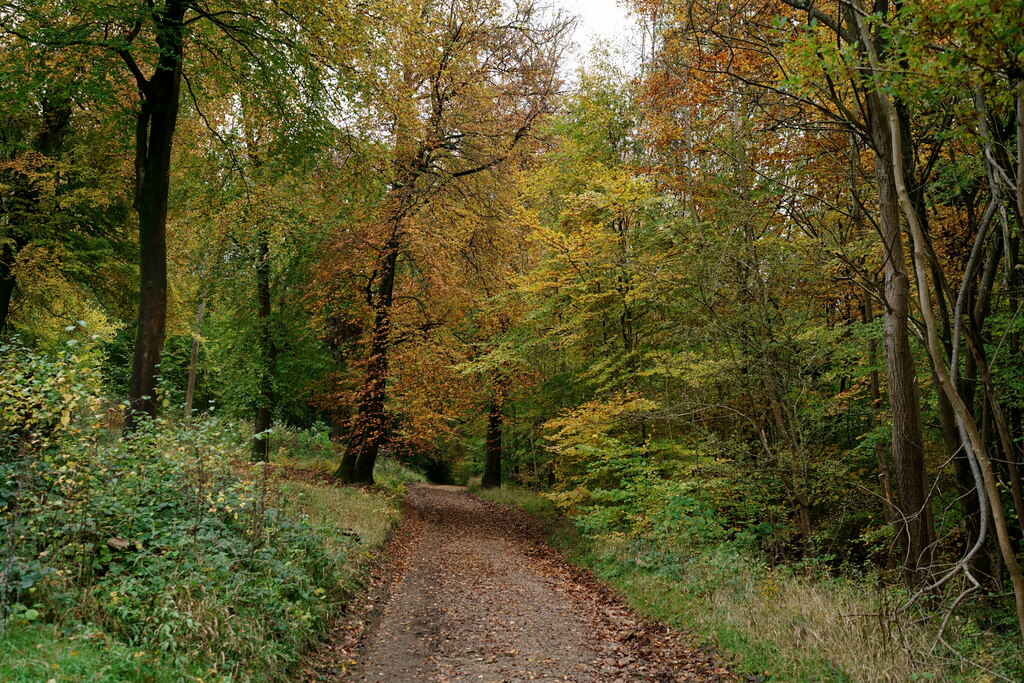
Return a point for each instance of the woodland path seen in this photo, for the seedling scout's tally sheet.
(470, 592)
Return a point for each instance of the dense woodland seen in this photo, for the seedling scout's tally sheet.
(759, 298)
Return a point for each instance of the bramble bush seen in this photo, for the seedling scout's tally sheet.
(160, 539)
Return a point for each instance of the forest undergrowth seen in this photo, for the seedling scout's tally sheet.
(164, 555)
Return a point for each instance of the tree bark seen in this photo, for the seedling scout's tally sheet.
(370, 423)
(268, 352)
(1005, 440)
(154, 137)
(1019, 194)
(492, 448)
(1016, 485)
(966, 423)
(884, 471)
(913, 530)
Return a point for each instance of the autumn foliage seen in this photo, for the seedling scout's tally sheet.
(761, 293)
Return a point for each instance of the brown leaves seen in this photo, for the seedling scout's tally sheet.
(118, 544)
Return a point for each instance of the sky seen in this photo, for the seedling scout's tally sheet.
(598, 20)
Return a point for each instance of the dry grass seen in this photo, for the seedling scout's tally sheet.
(823, 626)
(349, 519)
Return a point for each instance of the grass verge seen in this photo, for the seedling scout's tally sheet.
(32, 653)
(352, 523)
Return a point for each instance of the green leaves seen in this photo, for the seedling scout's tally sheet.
(152, 535)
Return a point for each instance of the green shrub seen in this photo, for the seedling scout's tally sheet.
(160, 539)
(302, 444)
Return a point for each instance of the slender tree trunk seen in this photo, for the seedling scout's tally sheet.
(154, 137)
(802, 503)
(947, 420)
(1002, 429)
(1019, 194)
(795, 482)
(980, 563)
(370, 423)
(1016, 485)
(874, 385)
(884, 470)
(268, 351)
(965, 420)
(913, 531)
(492, 449)
(193, 364)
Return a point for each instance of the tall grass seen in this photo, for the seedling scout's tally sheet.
(350, 522)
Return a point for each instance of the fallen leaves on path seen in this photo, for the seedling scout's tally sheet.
(470, 592)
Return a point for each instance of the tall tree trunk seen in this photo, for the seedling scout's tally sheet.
(913, 529)
(874, 379)
(980, 563)
(268, 351)
(966, 423)
(874, 385)
(1016, 485)
(1019, 194)
(193, 364)
(492, 448)
(370, 423)
(154, 138)
(1005, 440)
(1015, 460)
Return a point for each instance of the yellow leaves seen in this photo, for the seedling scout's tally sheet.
(695, 368)
(617, 190)
(429, 392)
(571, 499)
(574, 249)
(48, 298)
(591, 421)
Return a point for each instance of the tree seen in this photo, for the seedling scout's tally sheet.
(464, 86)
(873, 73)
(149, 40)
(254, 205)
(746, 52)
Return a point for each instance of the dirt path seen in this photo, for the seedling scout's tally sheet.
(471, 593)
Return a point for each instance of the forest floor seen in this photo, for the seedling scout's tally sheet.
(469, 591)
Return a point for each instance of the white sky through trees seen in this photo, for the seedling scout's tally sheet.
(599, 20)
